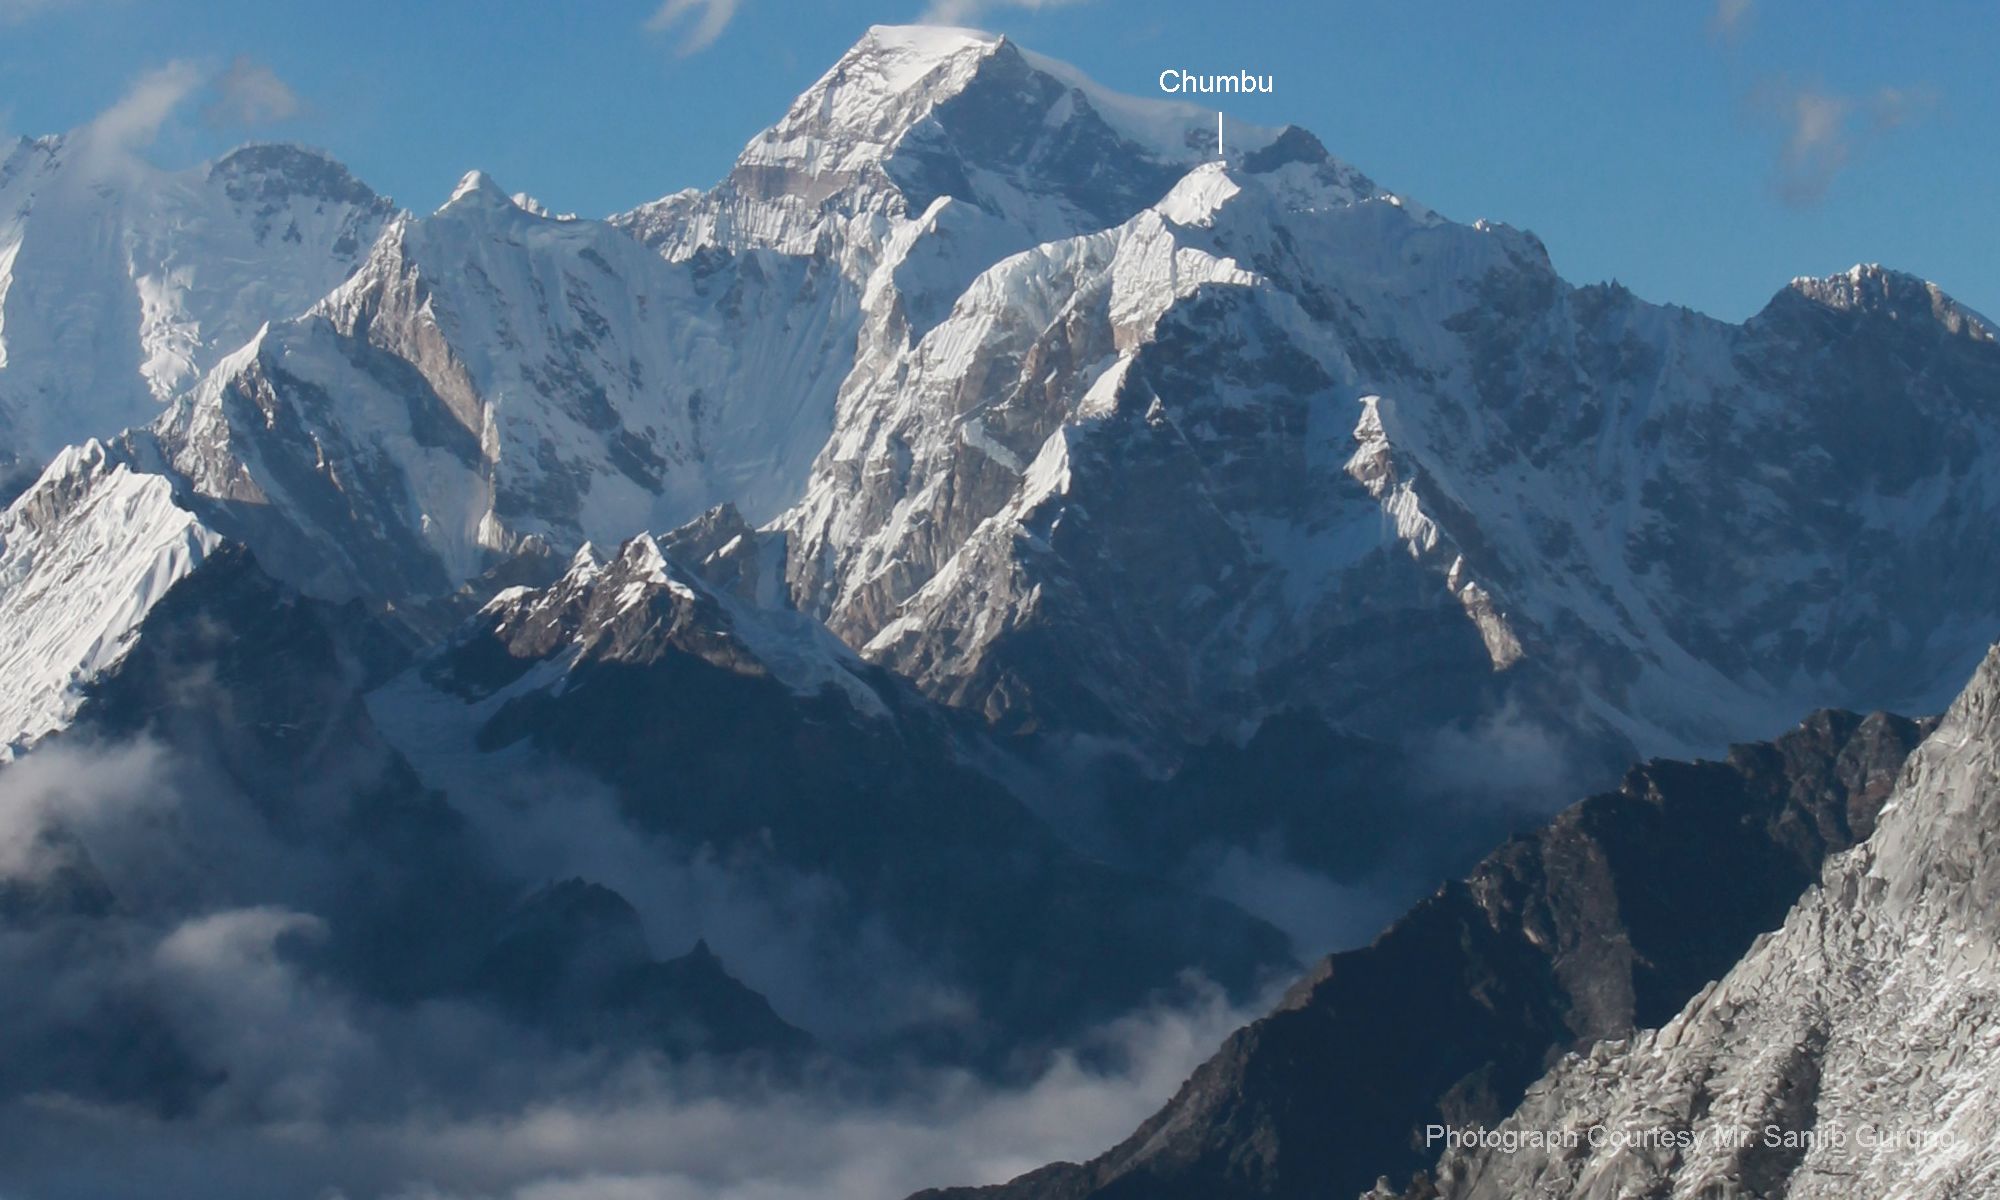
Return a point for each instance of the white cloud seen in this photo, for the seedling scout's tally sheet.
(135, 120)
(319, 1097)
(1824, 131)
(234, 997)
(250, 94)
(15, 11)
(312, 1089)
(703, 21)
(1817, 144)
(1730, 18)
(59, 798)
(245, 95)
(962, 12)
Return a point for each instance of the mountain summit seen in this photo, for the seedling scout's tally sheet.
(122, 284)
(915, 115)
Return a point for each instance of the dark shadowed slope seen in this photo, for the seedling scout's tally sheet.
(1608, 919)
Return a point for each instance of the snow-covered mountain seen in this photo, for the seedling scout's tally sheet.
(1084, 432)
(1282, 437)
(84, 556)
(488, 381)
(491, 375)
(1253, 439)
(1849, 1053)
(122, 284)
(928, 153)
(490, 378)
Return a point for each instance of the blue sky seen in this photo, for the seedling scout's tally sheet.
(1700, 151)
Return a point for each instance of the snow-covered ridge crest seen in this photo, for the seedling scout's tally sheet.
(642, 602)
(85, 553)
(896, 75)
(1871, 287)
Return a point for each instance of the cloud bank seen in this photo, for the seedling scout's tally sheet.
(168, 1014)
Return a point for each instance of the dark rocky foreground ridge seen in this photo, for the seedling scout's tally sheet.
(1605, 921)
(1851, 1052)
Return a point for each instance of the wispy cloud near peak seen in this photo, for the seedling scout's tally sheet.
(1731, 19)
(1825, 130)
(250, 94)
(702, 21)
(133, 123)
(13, 11)
(964, 12)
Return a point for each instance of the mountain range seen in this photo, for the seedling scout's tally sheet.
(984, 565)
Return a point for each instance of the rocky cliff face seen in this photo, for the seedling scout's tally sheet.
(1848, 1053)
(1622, 908)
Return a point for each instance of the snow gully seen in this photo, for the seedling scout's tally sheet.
(1178, 82)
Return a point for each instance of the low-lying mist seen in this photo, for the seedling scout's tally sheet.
(168, 1014)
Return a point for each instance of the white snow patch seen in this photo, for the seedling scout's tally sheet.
(973, 433)
(1195, 199)
(85, 554)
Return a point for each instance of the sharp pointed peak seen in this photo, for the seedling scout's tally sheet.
(894, 60)
(477, 189)
(643, 551)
